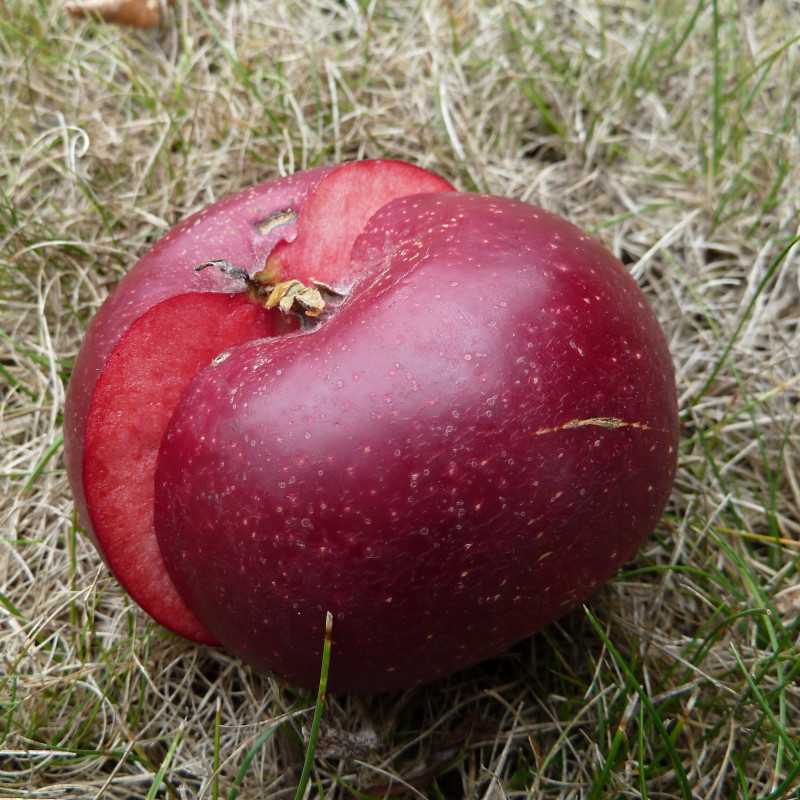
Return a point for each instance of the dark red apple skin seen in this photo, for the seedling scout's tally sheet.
(476, 440)
(228, 227)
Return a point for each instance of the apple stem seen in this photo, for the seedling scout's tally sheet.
(226, 268)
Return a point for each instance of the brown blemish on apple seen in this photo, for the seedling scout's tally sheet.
(268, 224)
(611, 423)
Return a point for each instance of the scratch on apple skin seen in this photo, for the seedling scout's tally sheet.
(612, 423)
(264, 226)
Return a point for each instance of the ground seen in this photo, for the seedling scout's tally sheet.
(669, 130)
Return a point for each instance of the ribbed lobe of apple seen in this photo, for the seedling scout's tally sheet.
(473, 443)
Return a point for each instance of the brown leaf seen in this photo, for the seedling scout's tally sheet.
(136, 13)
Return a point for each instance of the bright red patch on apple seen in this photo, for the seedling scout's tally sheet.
(337, 212)
(143, 380)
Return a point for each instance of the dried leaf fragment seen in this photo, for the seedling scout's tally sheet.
(287, 294)
(136, 13)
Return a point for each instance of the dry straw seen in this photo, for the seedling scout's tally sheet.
(668, 129)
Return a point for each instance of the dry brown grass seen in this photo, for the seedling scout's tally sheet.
(668, 129)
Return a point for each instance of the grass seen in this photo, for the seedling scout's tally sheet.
(670, 130)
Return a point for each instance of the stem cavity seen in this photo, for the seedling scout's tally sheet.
(290, 296)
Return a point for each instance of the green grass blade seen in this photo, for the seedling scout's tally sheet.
(305, 775)
(778, 725)
(11, 380)
(244, 767)
(615, 751)
(716, 93)
(642, 750)
(721, 361)
(162, 770)
(633, 684)
(267, 734)
(217, 733)
(54, 447)
(10, 607)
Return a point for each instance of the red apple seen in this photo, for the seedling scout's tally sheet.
(478, 433)
(479, 436)
(164, 322)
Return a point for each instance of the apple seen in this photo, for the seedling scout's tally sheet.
(477, 430)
